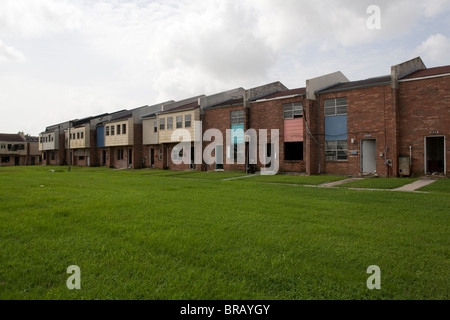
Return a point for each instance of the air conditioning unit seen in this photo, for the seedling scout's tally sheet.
(403, 166)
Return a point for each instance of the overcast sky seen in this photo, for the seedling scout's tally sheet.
(68, 59)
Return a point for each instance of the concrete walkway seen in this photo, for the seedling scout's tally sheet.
(415, 185)
(337, 183)
(243, 177)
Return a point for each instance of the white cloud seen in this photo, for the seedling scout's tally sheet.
(108, 53)
(10, 54)
(435, 49)
(31, 18)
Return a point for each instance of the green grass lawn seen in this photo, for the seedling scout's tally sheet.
(296, 179)
(147, 235)
(379, 183)
(441, 186)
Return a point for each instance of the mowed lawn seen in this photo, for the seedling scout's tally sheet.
(163, 235)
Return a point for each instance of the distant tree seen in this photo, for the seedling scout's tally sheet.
(27, 135)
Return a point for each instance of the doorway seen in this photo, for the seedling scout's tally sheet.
(152, 158)
(219, 157)
(192, 162)
(130, 157)
(434, 155)
(368, 156)
(104, 158)
(17, 161)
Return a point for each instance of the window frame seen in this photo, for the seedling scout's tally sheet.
(187, 120)
(332, 106)
(333, 149)
(237, 117)
(169, 123)
(292, 110)
(162, 124)
(179, 122)
(120, 155)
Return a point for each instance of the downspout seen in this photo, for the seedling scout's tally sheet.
(319, 135)
(70, 158)
(410, 161)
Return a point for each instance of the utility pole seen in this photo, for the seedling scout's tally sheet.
(70, 156)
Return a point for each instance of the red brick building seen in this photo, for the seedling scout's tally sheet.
(19, 150)
(395, 125)
(392, 125)
(283, 111)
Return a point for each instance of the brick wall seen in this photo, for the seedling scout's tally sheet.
(424, 112)
(220, 118)
(158, 164)
(269, 115)
(369, 114)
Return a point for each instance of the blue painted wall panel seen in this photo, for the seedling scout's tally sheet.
(100, 137)
(336, 128)
(237, 136)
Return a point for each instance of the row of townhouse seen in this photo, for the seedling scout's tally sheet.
(19, 150)
(393, 125)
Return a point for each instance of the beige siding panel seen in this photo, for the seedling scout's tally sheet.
(121, 139)
(165, 136)
(52, 143)
(79, 143)
(148, 131)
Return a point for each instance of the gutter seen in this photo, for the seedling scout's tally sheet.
(279, 98)
(425, 78)
(354, 88)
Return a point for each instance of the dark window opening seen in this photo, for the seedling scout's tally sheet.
(293, 151)
(120, 154)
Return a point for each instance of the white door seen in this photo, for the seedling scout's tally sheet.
(369, 156)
